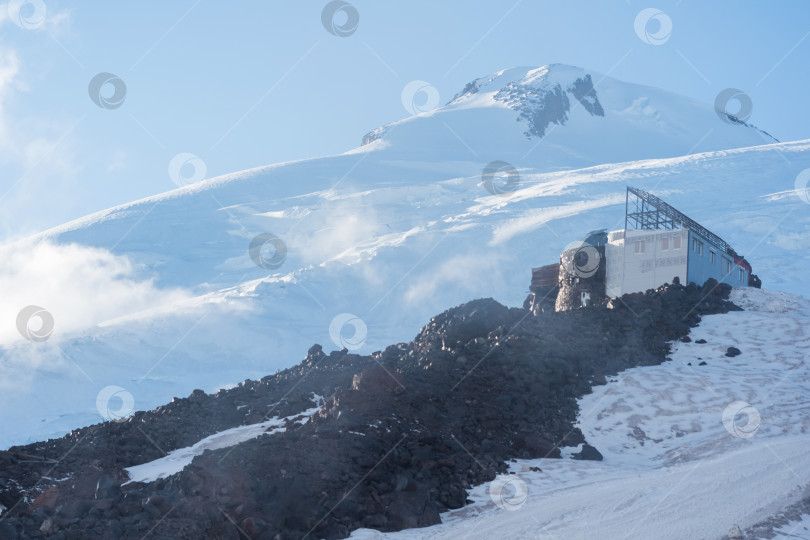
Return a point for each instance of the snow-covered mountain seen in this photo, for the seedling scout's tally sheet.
(166, 294)
(562, 117)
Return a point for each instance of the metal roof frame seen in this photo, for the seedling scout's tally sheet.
(651, 213)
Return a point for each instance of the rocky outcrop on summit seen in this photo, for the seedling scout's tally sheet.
(401, 436)
(587, 117)
(373, 135)
(538, 104)
(541, 106)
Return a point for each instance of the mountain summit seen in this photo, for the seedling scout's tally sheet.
(542, 96)
(559, 116)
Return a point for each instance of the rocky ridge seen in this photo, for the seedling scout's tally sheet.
(402, 435)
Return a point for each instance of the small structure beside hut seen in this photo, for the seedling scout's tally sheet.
(658, 245)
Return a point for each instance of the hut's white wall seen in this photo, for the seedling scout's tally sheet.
(638, 260)
(614, 265)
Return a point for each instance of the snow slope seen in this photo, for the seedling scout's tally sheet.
(672, 468)
(161, 296)
(176, 460)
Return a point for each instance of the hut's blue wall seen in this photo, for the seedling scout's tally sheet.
(699, 265)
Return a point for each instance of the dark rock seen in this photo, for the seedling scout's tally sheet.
(409, 509)
(253, 526)
(589, 453)
(686, 339)
(537, 446)
(700, 341)
(48, 499)
(378, 380)
(540, 107)
(702, 363)
(8, 531)
(401, 482)
(376, 521)
(48, 526)
(486, 385)
(733, 351)
(464, 323)
(107, 488)
(103, 504)
(710, 285)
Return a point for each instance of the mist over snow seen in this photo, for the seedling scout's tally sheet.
(80, 286)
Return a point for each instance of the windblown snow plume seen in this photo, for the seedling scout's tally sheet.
(78, 286)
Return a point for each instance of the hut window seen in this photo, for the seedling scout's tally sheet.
(742, 274)
(676, 242)
(714, 256)
(639, 246)
(665, 243)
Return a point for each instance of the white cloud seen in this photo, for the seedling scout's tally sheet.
(339, 233)
(78, 285)
(9, 68)
(38, 12)
(462, 272)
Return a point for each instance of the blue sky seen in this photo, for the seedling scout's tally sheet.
(249, 83)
